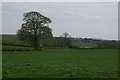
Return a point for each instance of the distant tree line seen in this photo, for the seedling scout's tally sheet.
(57, 42)
(108, 44)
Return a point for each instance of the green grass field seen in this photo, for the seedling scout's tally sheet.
(61, 63)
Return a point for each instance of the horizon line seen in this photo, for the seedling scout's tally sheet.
(70, 37)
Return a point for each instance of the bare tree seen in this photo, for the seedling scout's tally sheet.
(65, 37)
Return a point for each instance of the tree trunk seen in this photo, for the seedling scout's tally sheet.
(36, 42)
(36, 45)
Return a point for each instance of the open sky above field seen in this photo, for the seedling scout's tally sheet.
(79, 19)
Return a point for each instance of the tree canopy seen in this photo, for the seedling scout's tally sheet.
(34, 29)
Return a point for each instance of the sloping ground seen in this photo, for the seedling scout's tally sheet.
(11, 40)
(11, 43)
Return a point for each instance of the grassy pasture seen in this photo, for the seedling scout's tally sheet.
(10, 40)
(61, 63)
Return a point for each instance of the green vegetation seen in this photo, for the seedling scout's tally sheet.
(35, 29)
(81, 44)
(35, 53)
(15, 48)
(11, 40)
(57, 63)
(21, 61)
(56, 42)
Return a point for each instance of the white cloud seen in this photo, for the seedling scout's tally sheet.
(99, 17)
(69, 12)
(83, 15)
(87, 16)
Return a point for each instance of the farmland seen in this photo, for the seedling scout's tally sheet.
(59, 40)
(61, 63)
(21, 61)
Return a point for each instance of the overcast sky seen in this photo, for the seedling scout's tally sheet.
(79, 19)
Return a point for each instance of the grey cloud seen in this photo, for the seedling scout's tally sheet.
(81, 19)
